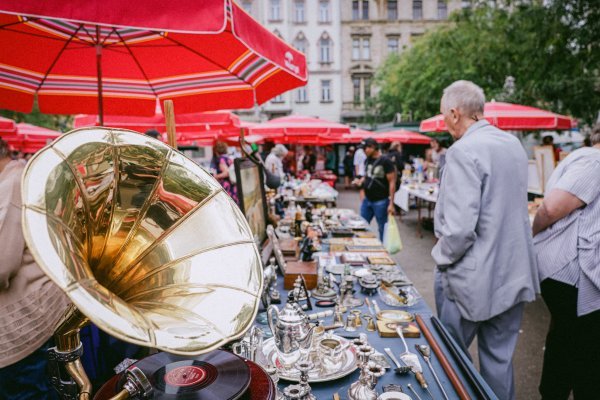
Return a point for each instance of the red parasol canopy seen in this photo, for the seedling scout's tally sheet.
(403, 136)
(355, 136)
(8, 133)
(299, 129)
(34, 138)
(7, 125)
(115, 57)
(189, 123)
(510, 117)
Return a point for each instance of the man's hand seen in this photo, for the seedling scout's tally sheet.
(391, 209)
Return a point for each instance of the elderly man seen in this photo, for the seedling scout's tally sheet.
(567, 243)
(484, 256)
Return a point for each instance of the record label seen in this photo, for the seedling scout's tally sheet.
(185, 376)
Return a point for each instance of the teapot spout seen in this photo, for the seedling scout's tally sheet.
(305, 342)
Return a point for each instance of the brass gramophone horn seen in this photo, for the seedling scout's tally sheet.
(146, 244)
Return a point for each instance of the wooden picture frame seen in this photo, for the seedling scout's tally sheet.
(534, 181)
(544, 158)
(252, 198)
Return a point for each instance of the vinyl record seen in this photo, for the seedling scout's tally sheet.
(218, 375)
(261, 385)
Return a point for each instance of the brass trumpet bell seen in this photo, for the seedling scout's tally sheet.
(144, 241)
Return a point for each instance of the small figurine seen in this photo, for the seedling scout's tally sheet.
(324, 289)
(306, 249)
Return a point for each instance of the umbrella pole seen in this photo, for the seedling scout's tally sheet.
(99, 76)
(170, 123)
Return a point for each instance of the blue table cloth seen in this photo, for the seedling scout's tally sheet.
(326, 390)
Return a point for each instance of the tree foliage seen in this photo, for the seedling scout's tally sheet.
(552, 51)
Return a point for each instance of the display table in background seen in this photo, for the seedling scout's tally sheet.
(425, 195)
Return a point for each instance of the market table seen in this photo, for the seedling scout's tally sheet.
(326, 390)
(424, 194)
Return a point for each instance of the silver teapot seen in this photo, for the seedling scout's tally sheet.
(291, 331)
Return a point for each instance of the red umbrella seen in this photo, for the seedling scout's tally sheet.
(118, 57)
(192, 123)
(355, 136)
(33, 138)
(510, 117)
(7, 125)
(403, 136)
(299, 129)
(8, 133)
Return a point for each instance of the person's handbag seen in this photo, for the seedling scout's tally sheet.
(391, 236)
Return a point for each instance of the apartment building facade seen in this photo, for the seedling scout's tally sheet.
(312, 27)
(372, 30)
(344, 41)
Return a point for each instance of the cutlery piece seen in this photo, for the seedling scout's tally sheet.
(426, 354)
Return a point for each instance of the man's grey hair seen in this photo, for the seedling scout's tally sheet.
(464, 96)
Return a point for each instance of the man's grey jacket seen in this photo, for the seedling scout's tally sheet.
(485, 249)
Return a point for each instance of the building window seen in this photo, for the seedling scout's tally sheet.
(325, 49)
(361, 48)
(361, 88)
(301, 95)
(393, 44)
(275, 10)
(360, 9)
(442, 9)
(324, 11)
(366, 48)
(301, 44)
(247, 6)
(417, 9)
(356, 49)
(392, 10)
(325, 91)
(278, 99)
(356, 90)
(299, 11)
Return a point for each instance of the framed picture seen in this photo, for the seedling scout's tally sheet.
(534, 183)
(252, 198)
(544, 158)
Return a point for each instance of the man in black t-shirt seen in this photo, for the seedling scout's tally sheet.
(379, 184)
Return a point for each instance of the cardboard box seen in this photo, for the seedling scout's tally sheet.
(308, 269)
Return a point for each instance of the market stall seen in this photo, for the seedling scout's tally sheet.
(346, 283)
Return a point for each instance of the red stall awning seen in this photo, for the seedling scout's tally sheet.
(510, 117)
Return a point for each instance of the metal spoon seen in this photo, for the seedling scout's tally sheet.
(400, 369)
(414, 392)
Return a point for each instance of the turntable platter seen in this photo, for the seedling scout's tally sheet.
(218, 375)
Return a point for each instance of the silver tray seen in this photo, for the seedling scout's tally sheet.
(316, 374)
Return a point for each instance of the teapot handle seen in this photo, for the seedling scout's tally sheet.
(272, 311)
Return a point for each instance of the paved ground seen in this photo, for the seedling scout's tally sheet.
(416, 260)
